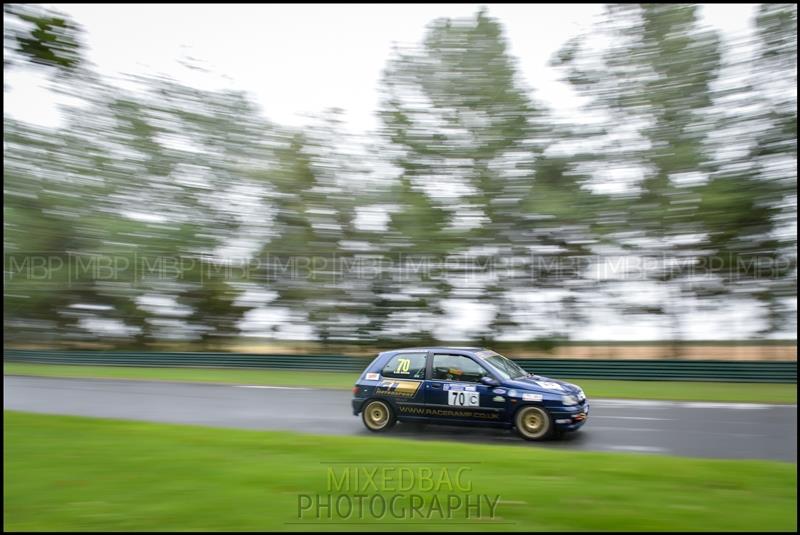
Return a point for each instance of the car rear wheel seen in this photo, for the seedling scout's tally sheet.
(533, 423)
(378, 416)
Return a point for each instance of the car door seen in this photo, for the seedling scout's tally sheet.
(453, 391)
(401, 383)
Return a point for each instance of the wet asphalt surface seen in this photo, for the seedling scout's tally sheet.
(694, 429)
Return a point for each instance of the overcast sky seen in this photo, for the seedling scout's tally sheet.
(300, 59)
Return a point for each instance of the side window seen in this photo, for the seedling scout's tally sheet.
(405, 366)
(457, 368)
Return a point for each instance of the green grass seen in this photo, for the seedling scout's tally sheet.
(672, 390)
(72, 473)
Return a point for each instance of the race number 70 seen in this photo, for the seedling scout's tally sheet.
(461, 398)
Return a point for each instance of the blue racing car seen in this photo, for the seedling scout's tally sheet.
(465, 386)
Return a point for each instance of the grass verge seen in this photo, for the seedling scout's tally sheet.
(72, 473)
(669, 390)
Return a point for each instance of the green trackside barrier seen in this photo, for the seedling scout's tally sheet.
(640, 370)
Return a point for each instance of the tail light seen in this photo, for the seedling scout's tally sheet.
(355, 390)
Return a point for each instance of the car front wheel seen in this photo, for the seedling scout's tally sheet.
(533, 423)
(378, 416)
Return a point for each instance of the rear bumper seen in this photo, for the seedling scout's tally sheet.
(357, 404)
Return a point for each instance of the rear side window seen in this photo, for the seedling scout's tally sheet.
(405, 365)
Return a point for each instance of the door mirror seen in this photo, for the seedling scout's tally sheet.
(489, 381)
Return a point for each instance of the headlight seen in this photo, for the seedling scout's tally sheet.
(569, 400)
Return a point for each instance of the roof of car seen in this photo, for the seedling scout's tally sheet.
(439, 348)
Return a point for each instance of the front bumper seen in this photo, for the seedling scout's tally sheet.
(571, 418)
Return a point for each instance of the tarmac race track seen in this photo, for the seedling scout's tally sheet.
(695, 429)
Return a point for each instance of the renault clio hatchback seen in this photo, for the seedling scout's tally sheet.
(465, 386)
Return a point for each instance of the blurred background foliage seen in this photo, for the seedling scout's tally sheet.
(163, 212)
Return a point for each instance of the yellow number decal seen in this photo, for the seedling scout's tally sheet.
(403, 365)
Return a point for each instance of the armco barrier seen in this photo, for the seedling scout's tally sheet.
(641, 370)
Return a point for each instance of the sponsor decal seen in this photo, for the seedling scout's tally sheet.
(512, 393)
(468, 388)
(398, 388)
(532, 397)
(498, 399)
(564, 421)
(499, 391)
(427, 411)
(549, 386)
(372, 376)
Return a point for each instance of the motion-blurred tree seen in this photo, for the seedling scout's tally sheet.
(652, 84)
(464, 135)
(748, 205)
(315, 189)
(773, 71)
(153, 180)
(41, 36)
(705, 142)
